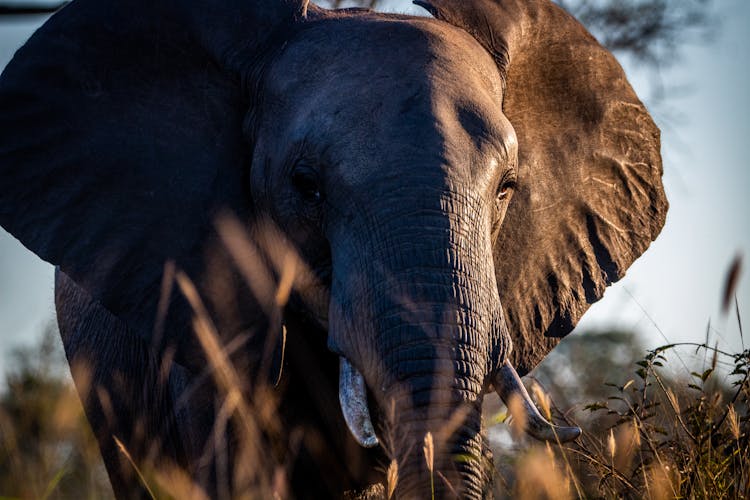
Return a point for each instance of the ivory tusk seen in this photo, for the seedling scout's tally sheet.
(353, 400)
(508, 384)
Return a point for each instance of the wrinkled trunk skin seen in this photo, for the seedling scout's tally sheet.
(415, 308)
(435, 386)
(458, 464)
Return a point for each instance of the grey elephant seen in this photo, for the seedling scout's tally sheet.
(451, 194)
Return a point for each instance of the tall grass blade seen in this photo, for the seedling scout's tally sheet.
(391, 478)
(137, 469)
(739, 320)
(611, 444)
(54, 482)
(429, 457)
(731, 282)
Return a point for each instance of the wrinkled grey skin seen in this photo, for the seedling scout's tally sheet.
(386, 150)
(399, 281)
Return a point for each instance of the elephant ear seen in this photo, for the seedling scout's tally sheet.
(121, 137)
(590, 198)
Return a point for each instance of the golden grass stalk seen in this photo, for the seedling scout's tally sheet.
(288, 273)
(661, 487)
(228, 380)
(611, 444)
(137, 469)
(457, 418)
(267, 249)
(624, 444)
(636, 433)
(448, 485)
(734, 422)
(673, 402)
(539, 477)
(518, 413)
(542, 400)
(429, 457)
(248, 259)
(391, 478)
(179, 484)
(429, 451)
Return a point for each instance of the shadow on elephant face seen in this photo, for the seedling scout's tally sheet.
(414, 208)
(430, 162)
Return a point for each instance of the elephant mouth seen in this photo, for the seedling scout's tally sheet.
(355, 408)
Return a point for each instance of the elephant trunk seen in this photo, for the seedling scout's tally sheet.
(434, 434)
(433, 372)
(415, 313)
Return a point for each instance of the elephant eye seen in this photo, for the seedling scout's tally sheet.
(306, 182)
(505, 191)
(506, 187)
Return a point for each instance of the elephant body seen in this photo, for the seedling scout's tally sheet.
(274, 221)
(181, 414)
(100, 349)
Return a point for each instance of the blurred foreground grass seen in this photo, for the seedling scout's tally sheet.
(657, 430)
(653, 430)
(672, 422)
(47, 449)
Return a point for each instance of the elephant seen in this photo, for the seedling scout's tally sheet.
(272, 222)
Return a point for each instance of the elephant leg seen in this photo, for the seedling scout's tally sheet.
(125, 393)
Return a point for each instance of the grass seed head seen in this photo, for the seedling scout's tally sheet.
(611, 444)
(391, 477)
(543, 401)
(429, 451)
(734, 422)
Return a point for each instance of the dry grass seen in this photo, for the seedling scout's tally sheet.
(666, 439)
(655, 436)
(46, 447)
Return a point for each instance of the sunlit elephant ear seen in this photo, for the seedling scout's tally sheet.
(121, 137)
(590, 198)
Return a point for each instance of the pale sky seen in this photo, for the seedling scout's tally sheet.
(670, 293)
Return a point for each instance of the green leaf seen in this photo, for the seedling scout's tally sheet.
(54, 482)
(499, 418)
(464, 458)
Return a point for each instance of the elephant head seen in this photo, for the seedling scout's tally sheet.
(461, 188)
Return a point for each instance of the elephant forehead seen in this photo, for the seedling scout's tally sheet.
(372, 82)
(381, 47)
